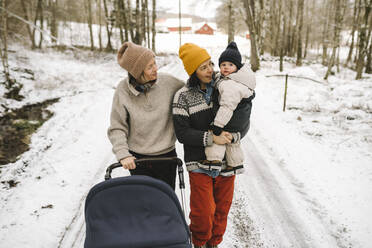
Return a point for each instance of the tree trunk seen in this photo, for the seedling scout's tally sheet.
(299, 33)
(53, 21)
(283, 36)
(109, 46)
(310, 14)
(100, 25)
(4, 47)
(148, 24)
(369, 55)
(355, 24)
(153, 24)
(272, 27)
(138, 38)
(255, 62)
(119, 19)
(143, 22)
(124, 19)
(325, 34)
(336, 37)
(368, 48)
(130, 21)
(89, 7)
(25, 16)
(363, 39)
(278, 27)
(260, 36)
(38, 10)
(41, 19)
(294, 35)
(289, 38)
(230, 27)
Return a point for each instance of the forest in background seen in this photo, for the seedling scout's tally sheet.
(281, 28)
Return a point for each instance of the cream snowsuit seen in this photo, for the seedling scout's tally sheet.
(232, 88)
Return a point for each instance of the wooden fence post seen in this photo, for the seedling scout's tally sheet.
(285, 92)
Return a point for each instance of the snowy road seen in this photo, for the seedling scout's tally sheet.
(269, 210)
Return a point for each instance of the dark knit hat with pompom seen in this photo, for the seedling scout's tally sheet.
(232, 55)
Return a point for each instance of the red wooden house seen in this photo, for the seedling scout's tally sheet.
(205, 29)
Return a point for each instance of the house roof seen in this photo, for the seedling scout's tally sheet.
(199, 25)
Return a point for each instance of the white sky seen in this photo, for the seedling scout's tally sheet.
(202, 8)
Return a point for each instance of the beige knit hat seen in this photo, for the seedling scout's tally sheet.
(134, 58)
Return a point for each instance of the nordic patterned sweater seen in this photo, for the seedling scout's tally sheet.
(192, 118)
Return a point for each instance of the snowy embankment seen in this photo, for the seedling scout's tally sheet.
(308, 181)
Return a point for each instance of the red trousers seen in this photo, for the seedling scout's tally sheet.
(210, 201)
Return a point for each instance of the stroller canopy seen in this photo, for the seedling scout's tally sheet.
(134, 211)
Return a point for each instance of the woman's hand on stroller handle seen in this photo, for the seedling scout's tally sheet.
(128, 163)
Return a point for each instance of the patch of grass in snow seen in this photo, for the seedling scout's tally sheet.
(17, 126)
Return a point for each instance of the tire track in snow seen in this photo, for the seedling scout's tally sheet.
(74, 234)
(269, 211)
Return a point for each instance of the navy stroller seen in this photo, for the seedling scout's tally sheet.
(136, 212)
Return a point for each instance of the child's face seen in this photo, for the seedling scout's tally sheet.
(227, 68)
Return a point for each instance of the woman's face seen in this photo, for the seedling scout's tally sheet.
(151, 71)
(205, 71)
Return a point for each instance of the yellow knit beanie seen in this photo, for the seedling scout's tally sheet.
(192, 57)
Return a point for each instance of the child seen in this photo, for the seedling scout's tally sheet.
(235, 83)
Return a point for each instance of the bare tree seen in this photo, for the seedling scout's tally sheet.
(52, 6)
(138, 38)
(4, 47)
(326, 28)
(356, 14)
(99, 4)
(369, 57)
(153, 24)
(255, 62)
(25, 15)
(369, 50)
(362, 37)
(230, 25)
(336, 36)
(108, 29)
(147, 24)
(89, 8)
(300, 13)
(119, 19)
(283, 36)
(38, 16)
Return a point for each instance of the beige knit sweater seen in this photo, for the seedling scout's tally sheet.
(142, 122)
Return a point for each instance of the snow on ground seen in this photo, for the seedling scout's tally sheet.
(321, 146)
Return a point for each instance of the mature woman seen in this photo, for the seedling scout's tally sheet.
(141, 120)
(193, 112)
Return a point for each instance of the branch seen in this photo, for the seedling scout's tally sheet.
(36, 27)
(283, 75)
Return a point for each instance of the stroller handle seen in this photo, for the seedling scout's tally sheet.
(143, 162)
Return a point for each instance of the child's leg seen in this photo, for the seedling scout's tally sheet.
(215, 152)
(234, 159)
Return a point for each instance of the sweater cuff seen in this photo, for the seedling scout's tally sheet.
(208, 138)
(236, 137)
(122, 154)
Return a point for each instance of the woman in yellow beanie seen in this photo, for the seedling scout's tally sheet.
(141, 118)
(193, 112)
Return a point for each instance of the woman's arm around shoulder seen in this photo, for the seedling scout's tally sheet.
(172, 81)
